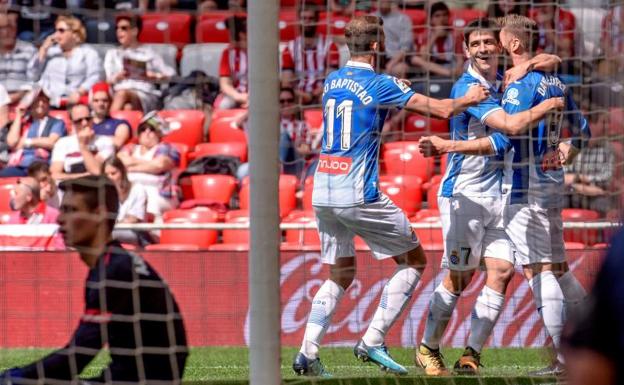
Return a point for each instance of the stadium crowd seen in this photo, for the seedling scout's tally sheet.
(103, 86)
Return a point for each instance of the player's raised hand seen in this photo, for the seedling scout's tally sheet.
(477, 93)
(432, 146)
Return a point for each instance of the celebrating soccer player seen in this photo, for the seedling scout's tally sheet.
(129, 307)
(347, 200)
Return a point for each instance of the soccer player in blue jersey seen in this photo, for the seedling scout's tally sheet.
(471, 201)
(532, 217)
(128, 307)
(347, 200)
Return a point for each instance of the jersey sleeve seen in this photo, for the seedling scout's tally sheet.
(500, 143)
(392, 92)
(518, 97)
(482, 110)
(579, 127)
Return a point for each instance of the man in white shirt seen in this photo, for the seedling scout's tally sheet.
(83, 152)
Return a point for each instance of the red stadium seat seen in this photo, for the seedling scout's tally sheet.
(234, 239)
(187, 126)
(301, 237)
(172, 247)
(9, 180)
(289, 25)
(460, 17)
(404, 190)
(418, 17)
(586, 236)
(6, 191)
(431, 238)
(403, 158)
(308, 186)
(233, 113)
(133, 118)
(432, 195)
(287, 198)
(443, 163)
(213, 29)
(223, 130)
(5, 217)
(209, 188)
(331, 24)
(183, 149)
(64, 116)
(201, 238)
(426, 125)
(237, 149)
(575, 246)
(170, 27)
(314, 118)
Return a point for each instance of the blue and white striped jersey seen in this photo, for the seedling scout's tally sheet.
(475, 175)
(537, 176)
(356, 101)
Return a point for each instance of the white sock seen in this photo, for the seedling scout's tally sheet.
(441, 308)
(549, 301)
(394, 297)
(323, 307)
(484, 316)
(573, 292)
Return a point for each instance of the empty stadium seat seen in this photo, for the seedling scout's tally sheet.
(418, 17)
(224, 130)
(101, 30)
(426, 125)
(331, 24)
(172, 247)
(403, 158)
(169, 27)
(301, 238)
(204, 57)
(234, 239)
(586, 236)
(308, 186)
(200, 238)
(187, 126)
(133, 118)
(214, 188)
(169, 53)
(213, 29)
(432, 195)
(237, 149)
(460, 17)
(287, 198)
(288, 25)
(404, 190)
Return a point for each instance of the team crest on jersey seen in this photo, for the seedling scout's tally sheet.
(402, 86)
(512, 97)
(454, 257)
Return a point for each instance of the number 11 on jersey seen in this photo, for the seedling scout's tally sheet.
(345, 112)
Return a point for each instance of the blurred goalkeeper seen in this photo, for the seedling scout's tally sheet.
(346, 198)
(129, 307)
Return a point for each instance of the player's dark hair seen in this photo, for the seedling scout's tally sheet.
(37, 167)
(481, 24)
(361, 32)
(438, 6)
(134, 20)
(523, 28)
(96, 189)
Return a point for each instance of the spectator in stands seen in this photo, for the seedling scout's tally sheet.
(233, 67)
(27, 206)
(342, 7)
(439, 51)
(33, 133)
(117, 5)
(36, 19)
(151, 163)
(590, 175)
(612, 43)
(308, 58)
(557, 30)
(40, 171)
(68, 68)
(5, 100)
(399, 37)
(103, 124)
(132, 201)
(83, 152)
(133, 69)
(500, 8)
(14, 57)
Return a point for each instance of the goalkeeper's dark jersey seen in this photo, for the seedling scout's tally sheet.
(130, 309)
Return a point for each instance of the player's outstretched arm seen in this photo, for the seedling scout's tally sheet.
(542, 62)
(435, 146)
(518, 123)
(445, 108)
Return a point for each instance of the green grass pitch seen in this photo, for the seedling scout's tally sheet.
(229, 365)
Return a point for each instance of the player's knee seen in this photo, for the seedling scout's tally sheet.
(456, 281)
(499, 278)
(343, 274)
(416, 258)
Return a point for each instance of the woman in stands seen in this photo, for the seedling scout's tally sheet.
(133, 69)
(132, 200)
(151, 162)
(67, 67)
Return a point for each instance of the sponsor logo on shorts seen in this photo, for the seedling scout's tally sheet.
(454, 257)
(334, 164)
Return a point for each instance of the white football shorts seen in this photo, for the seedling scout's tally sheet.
(382, 225)
(472, 229)
(536, 232)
